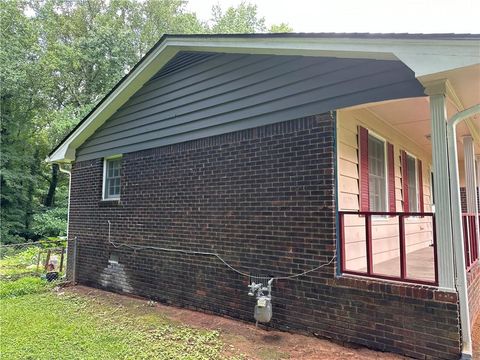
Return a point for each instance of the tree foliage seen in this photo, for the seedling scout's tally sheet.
(242, 19)
(58, 58)
(280, 28)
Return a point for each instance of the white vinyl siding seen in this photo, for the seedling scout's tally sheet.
(377, 174)
(412, 184)
(111, 178)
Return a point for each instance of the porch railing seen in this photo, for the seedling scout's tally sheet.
(401, 235)
(470, 240)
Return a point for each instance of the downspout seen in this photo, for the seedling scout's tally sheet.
(74, 260)
(458, 245)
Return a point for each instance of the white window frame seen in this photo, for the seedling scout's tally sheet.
(417, 192)
(385, 165)
(104, 180)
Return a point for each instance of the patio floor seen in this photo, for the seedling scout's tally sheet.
(420, 265)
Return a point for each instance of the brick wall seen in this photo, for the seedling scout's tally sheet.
(473, 281)
(264, 200)
(463, 198)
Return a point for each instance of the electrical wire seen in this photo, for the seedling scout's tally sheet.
(205, 253)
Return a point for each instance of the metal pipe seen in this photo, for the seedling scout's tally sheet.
(458, 241)
(74, 265)
(74, 260)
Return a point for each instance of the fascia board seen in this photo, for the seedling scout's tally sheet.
(422, 56)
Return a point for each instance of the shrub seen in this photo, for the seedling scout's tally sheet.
(51, 222)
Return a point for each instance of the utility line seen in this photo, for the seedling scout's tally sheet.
(205, 253)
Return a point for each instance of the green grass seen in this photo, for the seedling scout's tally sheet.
(50, 325)
(23, 259)
(23, 286)
(14, 263)
(38, 323)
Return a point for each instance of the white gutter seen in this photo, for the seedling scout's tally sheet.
(458, 245)
(65, 171)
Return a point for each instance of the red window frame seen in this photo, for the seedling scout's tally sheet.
(405, 188)
(364, 182)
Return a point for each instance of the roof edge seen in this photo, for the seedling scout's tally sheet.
(379, 46)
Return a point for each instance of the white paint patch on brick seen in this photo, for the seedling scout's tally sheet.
(115, 277)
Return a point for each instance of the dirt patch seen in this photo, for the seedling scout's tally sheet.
(239, 337)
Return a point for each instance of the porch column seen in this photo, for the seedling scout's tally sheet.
(470, 178)
(443, 218)
(478, 180)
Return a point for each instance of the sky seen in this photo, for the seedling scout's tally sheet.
(413, 16)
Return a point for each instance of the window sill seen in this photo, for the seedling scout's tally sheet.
(109, 202)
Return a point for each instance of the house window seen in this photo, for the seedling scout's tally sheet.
(412, 184)
(111, 178)
(377, 174)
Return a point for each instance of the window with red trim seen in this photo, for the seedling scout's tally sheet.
(412, 180)
(412, 184)
(376, 173)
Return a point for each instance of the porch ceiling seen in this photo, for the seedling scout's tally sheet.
(411, 117)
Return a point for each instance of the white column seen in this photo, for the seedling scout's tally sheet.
(470, 178)
(470, 174)
(478, 180)
(477, 167)
(443, 219)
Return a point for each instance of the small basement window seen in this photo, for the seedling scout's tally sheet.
(113, 259)
(111, 178)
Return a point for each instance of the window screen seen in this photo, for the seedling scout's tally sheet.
(412, 184)
(112, 178)
(377, 174)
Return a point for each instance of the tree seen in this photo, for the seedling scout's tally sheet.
(280, 28)
(18, 94)
(242, 19)
(57, 60)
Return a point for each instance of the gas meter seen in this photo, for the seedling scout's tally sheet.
(263, 308)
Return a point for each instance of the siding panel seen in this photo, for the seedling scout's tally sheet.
(228, 92)
(234, 78)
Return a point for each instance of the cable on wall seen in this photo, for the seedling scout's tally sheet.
(205, 253)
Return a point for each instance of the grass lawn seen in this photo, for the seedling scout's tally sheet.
(46, 324)
(39, 320)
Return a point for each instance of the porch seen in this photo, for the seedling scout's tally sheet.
(399, 246)
(391, 200)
